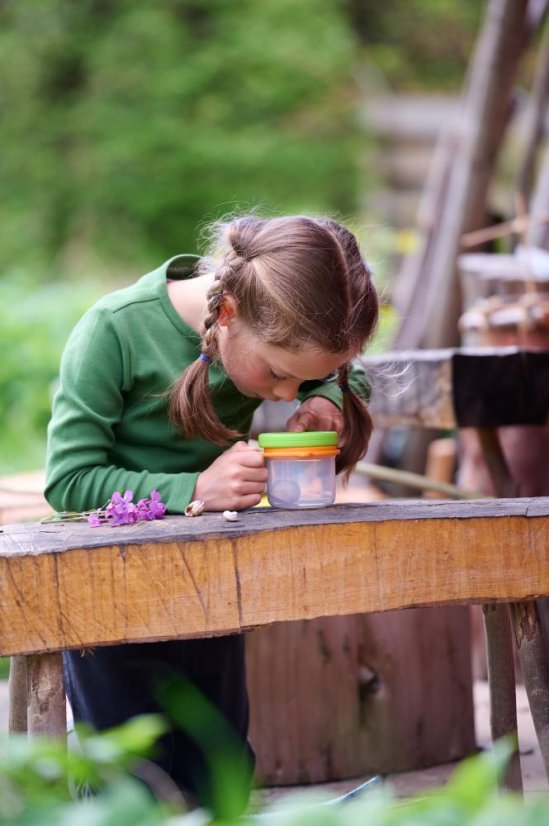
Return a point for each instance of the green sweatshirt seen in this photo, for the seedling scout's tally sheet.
(110, 429)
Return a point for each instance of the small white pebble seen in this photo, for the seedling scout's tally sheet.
(230, 516)
(194, 508)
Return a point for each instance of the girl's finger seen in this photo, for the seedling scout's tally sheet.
(253, 474)
(249, 488)
(249, 458)
(300, 422)
(249, 501)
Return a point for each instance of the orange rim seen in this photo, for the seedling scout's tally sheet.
(300, 452)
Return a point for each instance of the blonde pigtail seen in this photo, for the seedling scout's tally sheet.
(357, 427)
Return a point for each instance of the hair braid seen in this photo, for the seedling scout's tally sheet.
(215, 302)
(190, 405)
(357, 426)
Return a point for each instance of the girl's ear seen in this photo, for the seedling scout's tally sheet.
(228, 310)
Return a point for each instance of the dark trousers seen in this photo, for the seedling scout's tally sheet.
(111, 684)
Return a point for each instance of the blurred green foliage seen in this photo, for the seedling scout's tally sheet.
(419, 45)
(35, 320)
(127, 125)
(39, 778)
(130, 122)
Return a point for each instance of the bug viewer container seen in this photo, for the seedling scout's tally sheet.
(300, 467)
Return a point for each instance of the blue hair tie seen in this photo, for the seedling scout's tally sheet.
(204, 357)
(344, 388)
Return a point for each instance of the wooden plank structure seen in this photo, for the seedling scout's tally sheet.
(483, 388)
(65, 585)
(460, 387)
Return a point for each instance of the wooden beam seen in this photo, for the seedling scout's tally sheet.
(501, 680)
(532, 648)
(66, 585)
(497, 623)
(460, 387)
(430, 314)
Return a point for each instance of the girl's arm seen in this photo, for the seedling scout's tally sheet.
(330, 390)
(82, 470)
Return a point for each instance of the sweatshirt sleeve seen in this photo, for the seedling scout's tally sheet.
(87, 408)
(329, 389)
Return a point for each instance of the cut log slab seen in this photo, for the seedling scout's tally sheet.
(340, 697)
(66, 585)
(461, 387)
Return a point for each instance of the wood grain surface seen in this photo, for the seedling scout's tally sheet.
(461, 387)
(65, 585)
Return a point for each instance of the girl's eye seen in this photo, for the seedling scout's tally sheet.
(275, 377)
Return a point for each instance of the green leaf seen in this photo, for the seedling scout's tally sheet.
(476, 778)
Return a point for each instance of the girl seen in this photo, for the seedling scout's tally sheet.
(158, 385)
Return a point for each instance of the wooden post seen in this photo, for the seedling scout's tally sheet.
(499, 645)
(535, 668)
(18, 695)
(504, 485)
(47, 705)
(441, 462)
(501, 680)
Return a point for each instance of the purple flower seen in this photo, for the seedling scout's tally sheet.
(156, 505)
(144, 511)
(94, 520)
(121, 510)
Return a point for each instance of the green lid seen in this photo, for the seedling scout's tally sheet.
(309, 438)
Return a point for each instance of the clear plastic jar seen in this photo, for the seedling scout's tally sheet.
(301, 468)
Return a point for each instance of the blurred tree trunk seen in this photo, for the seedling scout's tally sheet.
(455, 198)
(458, 200)
(535, 193)
(535, 130)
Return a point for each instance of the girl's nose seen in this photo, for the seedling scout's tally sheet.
(286, 391)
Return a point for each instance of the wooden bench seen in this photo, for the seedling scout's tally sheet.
(66, 585)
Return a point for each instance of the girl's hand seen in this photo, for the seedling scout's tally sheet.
(316, 413)
(236, 480)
